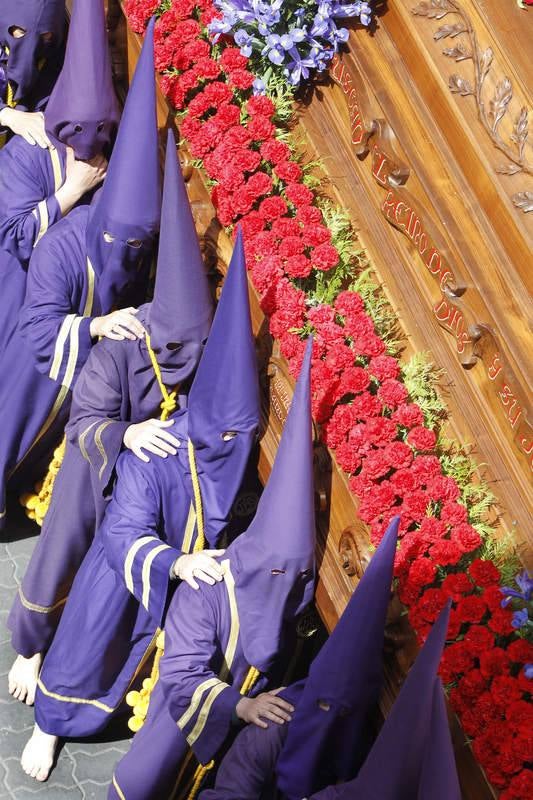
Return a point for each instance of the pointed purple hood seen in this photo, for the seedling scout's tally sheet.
(124, 216)
(403, 752)
(439, 780)
(327, 737)
(36, 17)
(224, 408)
(180, 314)
(83, 111)
(273, 563)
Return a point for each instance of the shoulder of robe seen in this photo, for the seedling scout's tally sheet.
(65, 241)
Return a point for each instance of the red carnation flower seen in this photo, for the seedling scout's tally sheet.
(315, 235)
(392, 393)
(442, 487)
(520, 651)
(288, 171)
(380, 431)
(260, 127)
(456, 585)
(260, 104)
(325, 257)
(471, 609)
(259, 184)
(504, 690)
(273, 207)
(422, 572)
(272, 150)
(309, 215)
(466, 537)
(285, 226)
(445, 552)
(478, 638)
(241, 78)
(421, 438)
(408, 415)
(404, 481)
(384, 367)
(231, 59)
(291, 246)
(298, 194)
(298, 266)
(494, 662)
(484, 572)
(353, 380)
(452, 513)
(347, 457)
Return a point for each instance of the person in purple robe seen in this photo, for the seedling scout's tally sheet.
(226, 645)
(96, 258)
(162, 515)
(327, 738)
(31, 53)
(38, 186)
(115, 400)
(412, 758)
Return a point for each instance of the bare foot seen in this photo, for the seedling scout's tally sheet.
(38, 756)
(22, 678)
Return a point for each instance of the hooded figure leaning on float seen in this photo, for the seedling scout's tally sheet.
(122, 389)
(38, 186)
(328, 737)
(162, 515)
(96, 259)
(412, 758)
(227, 645)
(31, 53)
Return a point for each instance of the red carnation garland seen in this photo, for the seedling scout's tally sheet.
(378, 436)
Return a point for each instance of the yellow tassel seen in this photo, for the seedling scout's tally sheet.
(37, 504)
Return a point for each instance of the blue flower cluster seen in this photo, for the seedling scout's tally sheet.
(521, 618)
(296, 35)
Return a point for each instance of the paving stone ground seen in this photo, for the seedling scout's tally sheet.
(83, 768)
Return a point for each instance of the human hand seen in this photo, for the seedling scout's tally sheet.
(151, 435)
(28, 124)
(201, 565)
(118, 325)
(265, 706)
(81, 177)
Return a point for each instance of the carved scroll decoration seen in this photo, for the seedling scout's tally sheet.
(475, 341)
(466, 48)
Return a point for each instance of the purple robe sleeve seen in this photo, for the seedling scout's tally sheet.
(55, 332)
(248, 768)
(202, 704)
(96, 426)
(28, 208)
(131, 541)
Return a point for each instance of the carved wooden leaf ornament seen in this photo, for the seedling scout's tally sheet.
(459, 52)
(500, 100)
(523, 200)
(436, 9)
(459, 85)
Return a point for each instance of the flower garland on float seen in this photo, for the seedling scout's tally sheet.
(301, 261)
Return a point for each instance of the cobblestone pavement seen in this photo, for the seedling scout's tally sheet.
(84, 768)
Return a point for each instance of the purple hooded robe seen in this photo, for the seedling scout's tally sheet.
(120, 593)
(29, 64)
(414, 744)
(116, 387)
(77, 274)
(326, 739)
(213, 635)
(30, 176)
